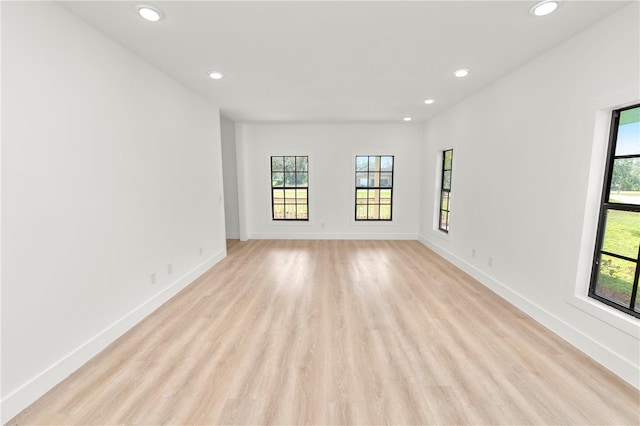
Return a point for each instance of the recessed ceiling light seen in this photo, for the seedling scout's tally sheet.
(462, 72)
(429, 101)
(544, 8)
(216, 75)
(407, 119)
(150, 13)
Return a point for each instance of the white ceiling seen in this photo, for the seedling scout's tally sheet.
(337, 61)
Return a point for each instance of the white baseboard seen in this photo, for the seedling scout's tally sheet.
(330, 236)
(609, 359)
(28, 393)
(233, 235)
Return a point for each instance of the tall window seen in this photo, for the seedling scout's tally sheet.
(614, 277)
(374, 187)
(445, 190)
(290, 188)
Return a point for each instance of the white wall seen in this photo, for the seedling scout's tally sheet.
(110, 171)
(228, 136)
(521, 169)
(332, 149)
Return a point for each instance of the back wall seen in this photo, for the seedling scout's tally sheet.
(331, 149)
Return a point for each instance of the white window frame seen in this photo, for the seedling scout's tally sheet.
(577, 292)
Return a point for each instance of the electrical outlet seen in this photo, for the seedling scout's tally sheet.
(153, 278)
(490, 261)
(169, 269)
(201, 251)
(473, 253)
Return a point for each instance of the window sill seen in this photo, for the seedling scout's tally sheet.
(445, 236)
(372, 222)
(623, 322)
(272, 222)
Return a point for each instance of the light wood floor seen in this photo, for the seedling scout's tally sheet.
(338, 332)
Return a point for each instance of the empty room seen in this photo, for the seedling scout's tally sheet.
(320, 212)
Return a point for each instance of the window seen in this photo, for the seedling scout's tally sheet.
(290, 188)
(374, 187)
(445, 190)
(614, 277)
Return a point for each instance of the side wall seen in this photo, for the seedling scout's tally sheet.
(332, 149)
(524, 192)
(228, 132)
(110, 172)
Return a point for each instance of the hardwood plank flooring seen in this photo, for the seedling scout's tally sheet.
(337, 332)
